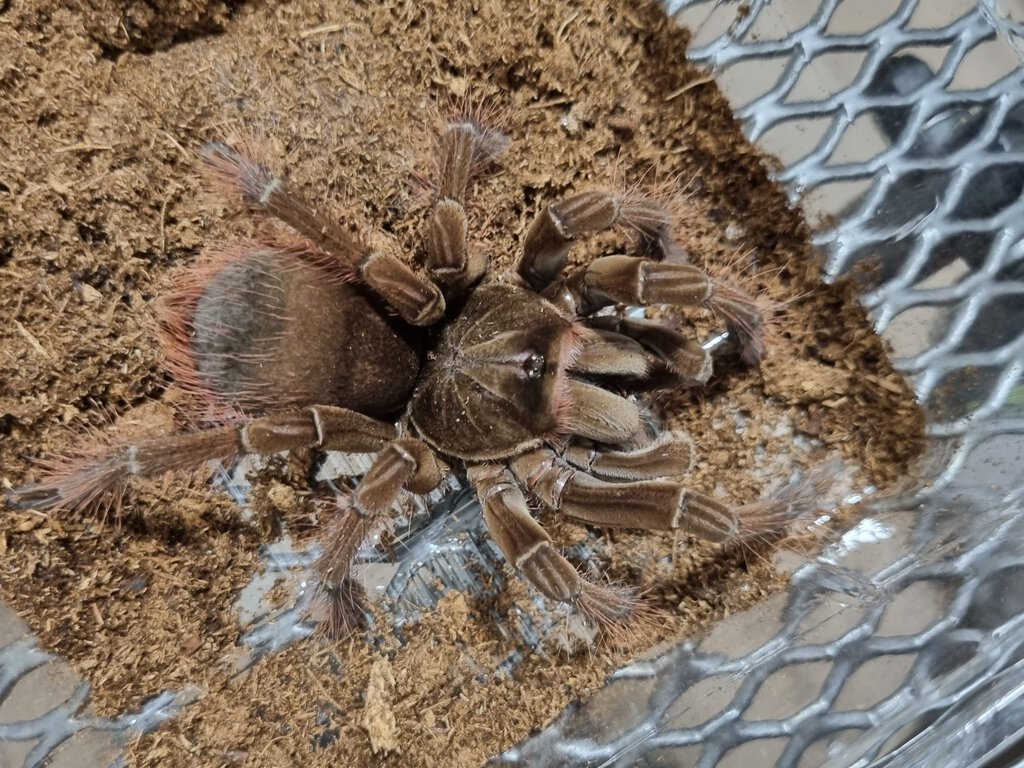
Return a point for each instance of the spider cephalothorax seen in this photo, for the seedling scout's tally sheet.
(324, 342)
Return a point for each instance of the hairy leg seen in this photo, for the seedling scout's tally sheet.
(556, 227)
(683, 356)
(642, 282)
(670, 455)
(406, 464)
(416, 299)
(529, 549)
(630, 280)
(463, 149)
(652, 504)
(98, 476)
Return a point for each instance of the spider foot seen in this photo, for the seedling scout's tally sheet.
(743, 319)
(748, 316)
(238, 170)
(620, 614)
(465, 148)
(78, 483)
(771, 518)
(340, 608)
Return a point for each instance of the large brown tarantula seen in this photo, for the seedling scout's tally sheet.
(323, 342)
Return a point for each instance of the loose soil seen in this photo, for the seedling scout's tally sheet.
(105, 105)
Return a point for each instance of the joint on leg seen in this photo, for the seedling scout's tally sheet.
(280, 432)
(339, 429)
(547, 242)
(416, 299)
(448, 254)
(428, 469)
(543, 474)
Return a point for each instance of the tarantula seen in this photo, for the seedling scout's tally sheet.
(323, 342)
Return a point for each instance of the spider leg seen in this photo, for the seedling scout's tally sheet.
(670, 455)
(591, 411)
(683, 356)
(649, 504)
(418, 300)
(597, 414)
(631, 280)
(606, 353)
(611, 345)
(406, 464)
(99, 476)
(553, 231)
(528, 547)
(639, 281)
(463, 148)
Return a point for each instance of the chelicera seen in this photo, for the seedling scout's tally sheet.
(525, 387)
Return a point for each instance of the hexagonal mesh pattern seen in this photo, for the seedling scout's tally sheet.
(900, 126)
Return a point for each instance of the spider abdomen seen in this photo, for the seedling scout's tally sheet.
(277, 327)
